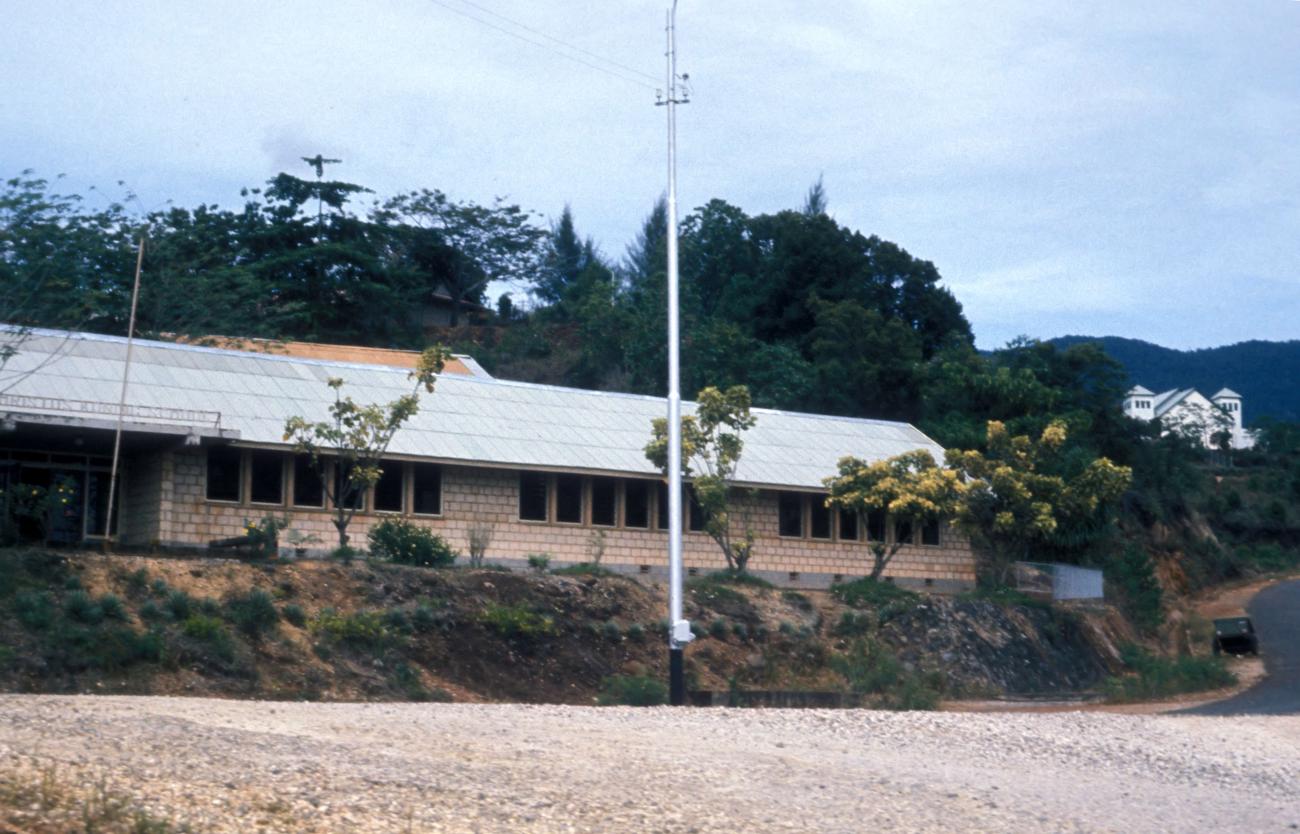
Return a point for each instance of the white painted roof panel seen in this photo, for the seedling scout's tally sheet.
(471, 419)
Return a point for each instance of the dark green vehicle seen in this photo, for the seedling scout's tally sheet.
(1235, 635)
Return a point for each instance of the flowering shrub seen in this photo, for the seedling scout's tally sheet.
(29, 511)
(408, 544)
(265, 535)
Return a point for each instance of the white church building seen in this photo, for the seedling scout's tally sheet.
(1188, 412)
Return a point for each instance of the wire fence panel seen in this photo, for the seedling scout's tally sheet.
(1059, 581)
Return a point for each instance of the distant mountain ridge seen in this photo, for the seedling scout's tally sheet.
(1266, 374)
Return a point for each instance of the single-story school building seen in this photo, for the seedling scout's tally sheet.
(545, 469)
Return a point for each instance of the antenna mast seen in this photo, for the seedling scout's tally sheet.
(679, 632)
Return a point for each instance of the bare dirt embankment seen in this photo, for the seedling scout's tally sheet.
(242, 766)
(77, 623)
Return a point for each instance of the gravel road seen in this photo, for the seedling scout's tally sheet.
(240, 766)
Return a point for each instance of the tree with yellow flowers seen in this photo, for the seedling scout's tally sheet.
(1019, 499)
(909, 487)
(711, 447)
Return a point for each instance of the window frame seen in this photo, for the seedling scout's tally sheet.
(248, 465)
(615, 489)
(815, 507)
(238, 455)
(411, 488)
(874, 517)
(336, 474)
(693, 512)
(895, 523)
(545, 481)
(292, 491)
(782, 497)
(839, 526)
(386, 467)
(581, 484)
(661, 516)
(648, 486)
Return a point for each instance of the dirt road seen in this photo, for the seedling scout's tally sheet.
(258, 766)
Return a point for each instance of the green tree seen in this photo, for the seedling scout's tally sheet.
(910, 487)
(645, 300)
(461, 246)
(200, 282)
(865, 363)
(355, 438)
(60, 265)
(815, 202)
(711, 449)
(721, 352)
(564, 257)
(1019, 502)
(321, 268)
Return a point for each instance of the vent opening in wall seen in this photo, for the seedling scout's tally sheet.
(837, 577)
(692, 571)
(793, 576)
(929, 581)
(644, 568)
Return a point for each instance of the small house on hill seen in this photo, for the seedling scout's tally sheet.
(1186, 411)
(548, 469)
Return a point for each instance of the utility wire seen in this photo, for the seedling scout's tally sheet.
(565, 44)
(622, 73)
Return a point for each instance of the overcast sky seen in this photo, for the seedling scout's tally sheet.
(1111, 168)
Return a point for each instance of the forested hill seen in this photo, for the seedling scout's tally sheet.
(1266, 374)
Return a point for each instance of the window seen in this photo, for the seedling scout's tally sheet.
(426, 490)
(356, 497)
(698, 516)
(308, 491)
(97, 503)
(661, 505)
(790, 514)
(388, 489)
(848, 526)
(875, 526)
(532, 496)
(568, 499)
(604, 502)
(223, 473)
(636, 504)
(266, 480)
(904, 531)
(930, 533)
(819, 526)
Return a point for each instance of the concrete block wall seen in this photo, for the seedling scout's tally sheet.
(146, 487)
(480, 496)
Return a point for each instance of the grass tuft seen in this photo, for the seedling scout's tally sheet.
(1154, 677)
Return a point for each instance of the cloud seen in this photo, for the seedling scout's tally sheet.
(1063, 164)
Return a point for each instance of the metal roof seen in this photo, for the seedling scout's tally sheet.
(467, 419)
(1225, 394)
(1169, 399)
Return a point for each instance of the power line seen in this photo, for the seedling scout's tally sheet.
(622, 73)
(565, 44)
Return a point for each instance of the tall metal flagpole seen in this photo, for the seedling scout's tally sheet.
(680, 631)
(121, 402)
